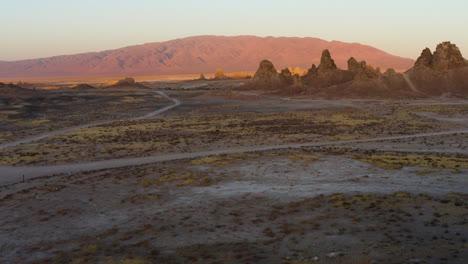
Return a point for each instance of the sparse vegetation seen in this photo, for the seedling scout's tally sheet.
(324, 203)
(396, 161)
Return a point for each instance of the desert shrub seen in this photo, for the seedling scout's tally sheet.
(219, 74)
(239, 75)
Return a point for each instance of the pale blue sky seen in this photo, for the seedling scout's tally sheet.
(41, 28)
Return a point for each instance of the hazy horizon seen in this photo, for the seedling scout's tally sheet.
(51, 27)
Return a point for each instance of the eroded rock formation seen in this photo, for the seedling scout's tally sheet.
(266, 77)
(326, 74)
(440, 73)
(327, 64)
(361, 70)
(443, 72)
(446, 57)
(286, 77)
(425, 59)
(291, 81)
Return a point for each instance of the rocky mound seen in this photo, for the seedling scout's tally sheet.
(266, 77)
(83, 86)
(127, 82)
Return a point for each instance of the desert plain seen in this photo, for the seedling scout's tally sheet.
(204, 172)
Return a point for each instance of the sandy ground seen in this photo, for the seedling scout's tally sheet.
(297, 203)
(232, 208)
(15, 174)
(65, 130)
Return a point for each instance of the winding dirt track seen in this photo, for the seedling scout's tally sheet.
(68, 129)
(10, 174)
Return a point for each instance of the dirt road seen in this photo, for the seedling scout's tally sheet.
(68, 129)
(10, 174)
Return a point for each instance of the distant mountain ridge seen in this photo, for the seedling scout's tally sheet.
(200, 54)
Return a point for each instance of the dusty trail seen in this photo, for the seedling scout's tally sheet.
(68, 129)
(10, 174)
(410, 83)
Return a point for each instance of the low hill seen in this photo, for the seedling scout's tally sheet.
(14, 91)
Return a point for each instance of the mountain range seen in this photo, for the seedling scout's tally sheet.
(201, 54)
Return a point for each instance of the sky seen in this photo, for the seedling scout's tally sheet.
(43, 28)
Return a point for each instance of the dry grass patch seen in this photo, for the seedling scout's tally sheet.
(395, 162)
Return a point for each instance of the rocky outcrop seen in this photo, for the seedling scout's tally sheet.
(441, 73)
(446, 57)
(266, 77)
(327, 64)
(127, 82)
(326, 74)
(425, 59)
(361, 71)
(290, 80)
(312, 70)
(286, 77)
